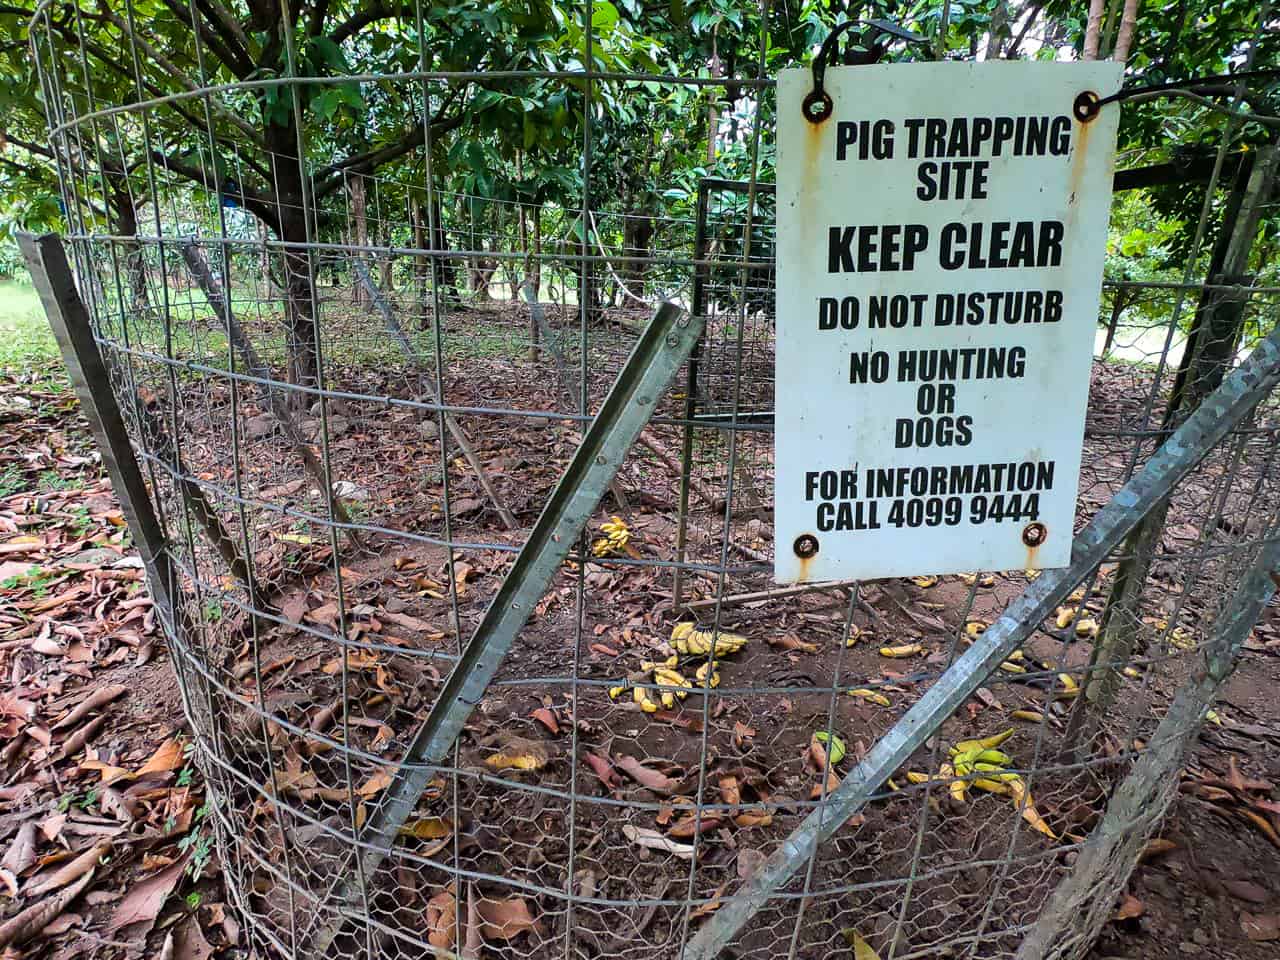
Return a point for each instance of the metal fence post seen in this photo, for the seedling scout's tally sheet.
(54, 282)
(1214, 419)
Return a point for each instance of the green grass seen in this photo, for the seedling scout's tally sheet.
(25, 338)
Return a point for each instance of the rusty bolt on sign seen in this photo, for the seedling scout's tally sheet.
(1034, 534)
(806, 546)
(1087, 106)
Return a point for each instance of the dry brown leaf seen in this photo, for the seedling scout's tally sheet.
(428, 828)
(99, 698)
(790, 641)
(753, 818)
(1247, 890)
(505, 919)
(442, 920)
(687, 826)
(145, 898)
(189, 941)
(70, 872)
(603, 769)
(1260, 927)
(547, 718)
(380, 780)
(1156, 847)
(25, 925)
(712, 905)
(109, 773)
(729, 792)
(1130, 907)
(22, 851)
(651, 779)
(168, 756)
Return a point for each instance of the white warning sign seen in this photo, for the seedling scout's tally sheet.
(940, 245)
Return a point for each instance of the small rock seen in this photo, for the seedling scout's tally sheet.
(429, 429)
(1200, 937)
(350, 491)
(1190, 949)
(95, 556)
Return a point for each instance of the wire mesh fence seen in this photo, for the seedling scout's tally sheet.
(351, 398)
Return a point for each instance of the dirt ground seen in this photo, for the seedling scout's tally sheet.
(107, 849)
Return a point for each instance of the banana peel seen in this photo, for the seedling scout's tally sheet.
(1031, 716)
(1022, 800)
(879, 699)
(925, 582)
(902, 650)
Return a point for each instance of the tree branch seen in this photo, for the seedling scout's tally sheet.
(328, 179)
(315, 23)
(181, 78)
(259, 203)
(379, 10)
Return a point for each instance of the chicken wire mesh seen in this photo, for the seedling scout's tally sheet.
(351, 395)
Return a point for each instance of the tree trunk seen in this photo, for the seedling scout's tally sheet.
(535, 273)
(419, 265)
(359, 214)
(444, 270)
(1113, 323)
(300, 323)
(126, 225)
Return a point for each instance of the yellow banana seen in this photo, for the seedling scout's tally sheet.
(697, 643)
(917, 777)
(986, 743)
(702, 675)
(641, 697)
(666, 677)
(870, 696)
(1065, 616)
(1032, 716)
(902, 650)
(991, 755)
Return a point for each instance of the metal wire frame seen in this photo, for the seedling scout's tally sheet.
(291, 788)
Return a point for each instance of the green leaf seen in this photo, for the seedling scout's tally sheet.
(604, 17)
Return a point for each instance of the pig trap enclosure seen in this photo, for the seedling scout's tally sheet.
(456, 494)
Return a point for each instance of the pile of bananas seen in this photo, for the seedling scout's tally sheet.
(692, 642)
(616, 537)
(982, 765)
(672, 685)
